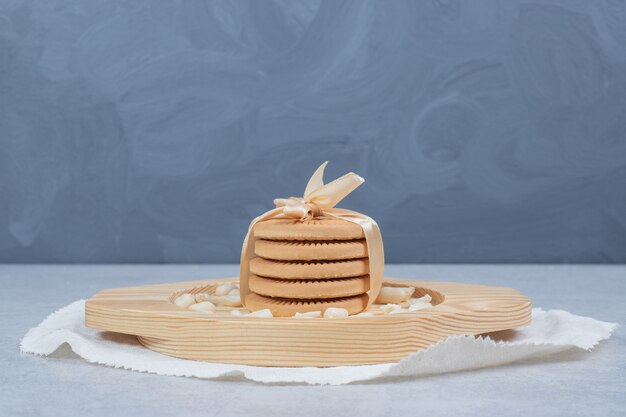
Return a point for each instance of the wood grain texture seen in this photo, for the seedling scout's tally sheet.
(148, 312)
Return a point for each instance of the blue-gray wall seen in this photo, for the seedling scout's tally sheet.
(153, 131)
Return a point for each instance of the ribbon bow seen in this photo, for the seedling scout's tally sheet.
(319, 200)
(318, 197)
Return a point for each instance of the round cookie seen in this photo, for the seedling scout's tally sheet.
(324, 228)
(309, 270)
(313, 289)
(282, 307)
(310, 251)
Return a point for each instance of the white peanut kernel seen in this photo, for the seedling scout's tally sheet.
(388, 308)
(228, 300)
(204, 306)
(185, 300)
(202, 297)
(424, 299)
(394, 295)
(335, 313)
(308, 314)
(261, 313)
(224, 289)
(419, 306)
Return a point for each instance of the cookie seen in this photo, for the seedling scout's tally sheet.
(284, 307)
(315, 229)
(310, 251)
(310, 289)
(309, 269)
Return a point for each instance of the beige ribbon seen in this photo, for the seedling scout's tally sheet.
(319, 200)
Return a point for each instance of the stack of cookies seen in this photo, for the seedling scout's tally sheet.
(310, 265)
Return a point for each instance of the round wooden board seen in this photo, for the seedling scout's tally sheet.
(149, 313)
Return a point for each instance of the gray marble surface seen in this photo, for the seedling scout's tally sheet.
(575, 383)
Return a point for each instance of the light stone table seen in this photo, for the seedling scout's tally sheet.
(571, 384)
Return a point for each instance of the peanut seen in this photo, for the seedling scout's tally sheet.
(335, 313)
(419, 306)
(228, 300)
(185, 300)
(224, 289)
(424, 299)
(202, 297)
(204, 306)
(394, 295)
(308, 314)
(261, 313)
(388, 308)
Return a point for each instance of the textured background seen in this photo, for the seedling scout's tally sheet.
(153, 131)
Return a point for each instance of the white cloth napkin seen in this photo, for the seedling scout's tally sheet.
(551, 332)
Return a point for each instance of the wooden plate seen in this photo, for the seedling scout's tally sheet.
(149, 313)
